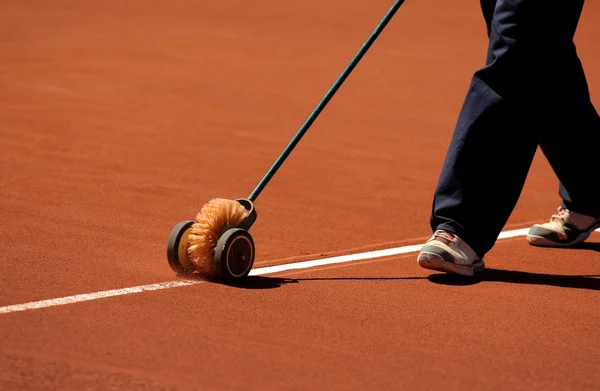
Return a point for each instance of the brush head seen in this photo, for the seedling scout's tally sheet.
(215, 217)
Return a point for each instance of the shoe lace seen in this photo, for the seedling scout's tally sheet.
(580, 221)
(445, 235)
(561, 214)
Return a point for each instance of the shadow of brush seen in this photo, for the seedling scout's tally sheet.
(250, 282)
(263, 282)
(591, 282)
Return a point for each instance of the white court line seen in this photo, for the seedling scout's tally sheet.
(361, 256)
(93, 296)
(255, 272)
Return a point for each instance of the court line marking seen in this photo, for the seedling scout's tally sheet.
(362, 256)
(256, 272)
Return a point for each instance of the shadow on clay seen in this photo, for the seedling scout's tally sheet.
(591, 282)
(590, 246)
(263, 282)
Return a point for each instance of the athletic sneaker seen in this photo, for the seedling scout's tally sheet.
(566, 228)
(446, 252)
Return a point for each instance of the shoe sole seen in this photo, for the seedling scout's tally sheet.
(540, 241)
(434, 261)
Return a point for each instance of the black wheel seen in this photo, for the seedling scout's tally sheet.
(177, 254)
(234, 255)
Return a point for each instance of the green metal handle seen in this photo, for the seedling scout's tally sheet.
(313, 116)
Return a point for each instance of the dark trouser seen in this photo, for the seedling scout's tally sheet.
(531, 92)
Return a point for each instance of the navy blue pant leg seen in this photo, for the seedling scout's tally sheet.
(569, 129)
(498, 128)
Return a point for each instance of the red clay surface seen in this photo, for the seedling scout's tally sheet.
(119, 120)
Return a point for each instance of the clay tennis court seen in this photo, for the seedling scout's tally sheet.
(120, 119)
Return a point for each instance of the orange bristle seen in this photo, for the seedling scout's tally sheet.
(214, 217)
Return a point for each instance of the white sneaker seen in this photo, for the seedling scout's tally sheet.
(565, 228)
(446, 252)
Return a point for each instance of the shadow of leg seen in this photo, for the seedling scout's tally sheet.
(590, 246)
(591, 282)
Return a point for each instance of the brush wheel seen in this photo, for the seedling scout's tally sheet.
(234, 255)
(177, 247)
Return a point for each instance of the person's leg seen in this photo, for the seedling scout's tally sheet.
(445, 251)
(487, 10)
(492, 146)
(495, 140)
(569, 136)
(570, 126)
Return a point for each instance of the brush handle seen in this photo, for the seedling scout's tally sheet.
(313, 116)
